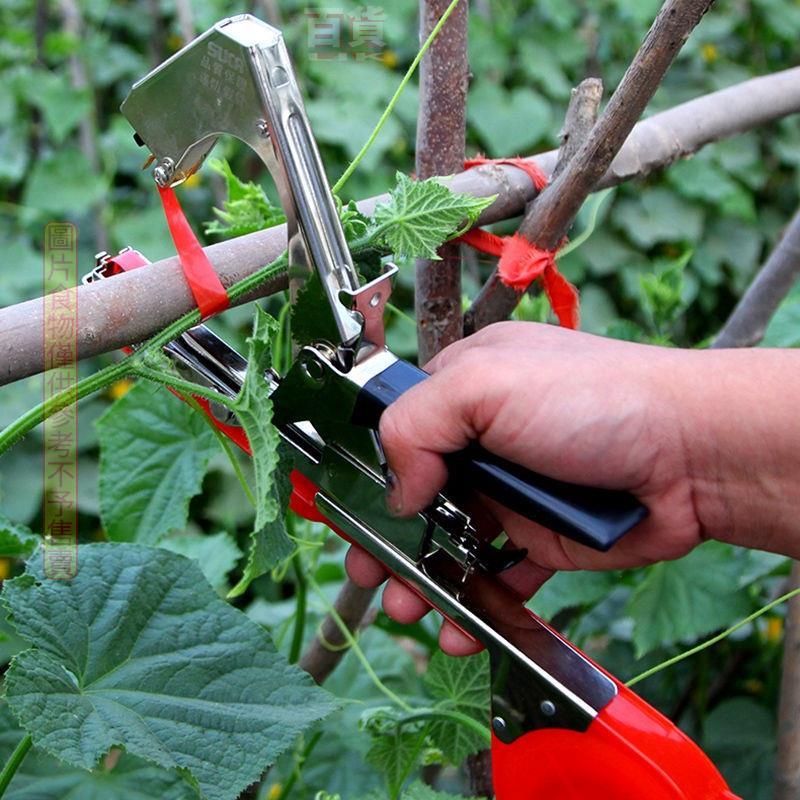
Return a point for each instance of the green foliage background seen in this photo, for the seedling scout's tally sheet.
(667, 261)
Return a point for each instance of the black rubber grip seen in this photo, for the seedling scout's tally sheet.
(595, 517)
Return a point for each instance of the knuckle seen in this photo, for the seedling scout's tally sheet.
(394, 426)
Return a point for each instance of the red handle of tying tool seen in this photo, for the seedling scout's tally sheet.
(629, 751)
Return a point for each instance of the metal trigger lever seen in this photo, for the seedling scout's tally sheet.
(237, 79)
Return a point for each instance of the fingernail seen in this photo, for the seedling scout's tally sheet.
(394, 497)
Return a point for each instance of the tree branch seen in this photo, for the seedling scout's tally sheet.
(584, 104)
(552, 214)
(440, 151)
(748, 322)
(441, 129)
(578, 122)
(328, 649)
(137, 304)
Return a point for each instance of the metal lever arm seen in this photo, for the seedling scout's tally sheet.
(237, 79)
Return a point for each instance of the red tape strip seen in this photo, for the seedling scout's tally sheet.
(533, 170)
(204, 283)
(522, 262)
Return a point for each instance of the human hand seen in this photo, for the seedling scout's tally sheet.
(570, 405)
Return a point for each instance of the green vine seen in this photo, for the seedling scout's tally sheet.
(351, 167)
(714, 639)
(14, 760)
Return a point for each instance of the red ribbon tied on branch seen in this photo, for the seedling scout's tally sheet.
(522, 262)
(204, 283)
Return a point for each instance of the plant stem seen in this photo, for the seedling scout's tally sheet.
(455, 716)
(108, 375)
(336, 188)
(180, 385)
(134, 363)
(33, 417)
(401, 314)
(359, 653)
(281, 338)
(14, 760)
(594, 211)
(548, 218)
(300, 610)
(226, 448)
(301, 759)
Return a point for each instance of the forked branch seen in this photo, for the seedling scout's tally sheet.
(551, 215)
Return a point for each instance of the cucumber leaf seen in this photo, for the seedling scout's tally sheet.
(154, 452)
(269, 542)
(422, 215)
(138, 651)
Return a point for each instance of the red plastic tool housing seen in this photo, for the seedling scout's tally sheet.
(629, 752)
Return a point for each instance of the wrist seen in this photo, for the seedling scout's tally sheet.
(741, 440)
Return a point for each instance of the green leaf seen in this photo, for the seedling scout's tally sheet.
(345, 121)
(739, 735)
(24, 282)
(658, 215)
(545, 72)
(597, 308)
(20, 480)
(459, 684)
(663, 291)
(62, 106)
(247, 208)
(422, 215)
(42, 777)
(700, 178)
(571, 589)
(216, 554)
(139, 651)
(269, 542)
(16, 540)
(682, 600)
(757, 564)
(154, 452)
(732, 243)
(145, 227)
(338, 762)
(311, 317)
(395, 752)
(421, 791)
(14, 156)
(63, 183)
(508, 122)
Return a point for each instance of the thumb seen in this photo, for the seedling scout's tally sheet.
(432, 418)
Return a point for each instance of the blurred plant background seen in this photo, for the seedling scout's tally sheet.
(667, 261)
